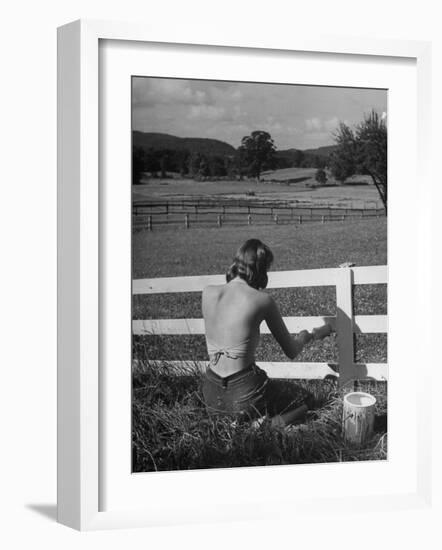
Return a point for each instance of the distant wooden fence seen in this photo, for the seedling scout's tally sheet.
(189, 213)
(345, 323)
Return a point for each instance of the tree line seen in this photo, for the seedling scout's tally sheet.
(256, 154)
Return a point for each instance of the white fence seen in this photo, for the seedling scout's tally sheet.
(345, 323)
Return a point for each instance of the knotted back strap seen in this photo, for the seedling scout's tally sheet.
(232, 352)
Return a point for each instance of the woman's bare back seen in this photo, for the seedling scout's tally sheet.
(232, 314)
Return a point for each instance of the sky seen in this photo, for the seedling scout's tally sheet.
(296, 116)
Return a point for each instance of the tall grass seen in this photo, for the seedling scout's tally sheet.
(173, 431)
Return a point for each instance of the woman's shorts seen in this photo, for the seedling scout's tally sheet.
(249, 392)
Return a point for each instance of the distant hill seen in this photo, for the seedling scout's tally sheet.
(321, 151)
(157, 142)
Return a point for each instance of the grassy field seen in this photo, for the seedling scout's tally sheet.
(172, 431)
(356, 191)
(171, 428)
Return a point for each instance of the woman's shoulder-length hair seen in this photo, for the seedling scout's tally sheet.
(251, 263)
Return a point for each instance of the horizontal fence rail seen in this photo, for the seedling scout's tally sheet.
(289, 370)
(373, 324)
(375, 274)
(346, 324)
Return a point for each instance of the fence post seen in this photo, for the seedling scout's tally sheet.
(344, 324)
(322, 219)
(300, 220)
(276, 219)
(186, 221)
(219, 220)
(149, 223)
(249, 220)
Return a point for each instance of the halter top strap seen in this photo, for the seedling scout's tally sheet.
(232, 352)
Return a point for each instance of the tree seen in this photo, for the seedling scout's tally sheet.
(217, 166)
(362, 151)
(371, 140)
(319, 162)
(183, 164)
(298, 157)
(258, 150)
(343, 159)
(321, 176)
(203, 168)
(138, 165)
(194, 164)
(152, 162)
(163, 166)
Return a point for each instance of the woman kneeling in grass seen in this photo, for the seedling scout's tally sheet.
(233, 312)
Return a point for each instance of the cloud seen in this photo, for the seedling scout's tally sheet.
(318, 124)
(149, 92)
(206, 112)
(295, 116)
(331, 124)
(313, 124)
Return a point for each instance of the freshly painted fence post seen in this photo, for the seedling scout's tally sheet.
(344, 324)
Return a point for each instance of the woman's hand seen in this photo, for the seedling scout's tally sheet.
(322, 332)
(305, 337)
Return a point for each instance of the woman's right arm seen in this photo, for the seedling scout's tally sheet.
(290, 345)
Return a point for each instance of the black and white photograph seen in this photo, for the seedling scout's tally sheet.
(259, 274)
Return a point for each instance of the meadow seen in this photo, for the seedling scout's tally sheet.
(171, 429)
(295, 185)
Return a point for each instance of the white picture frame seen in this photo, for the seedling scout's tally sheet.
(80, 394)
